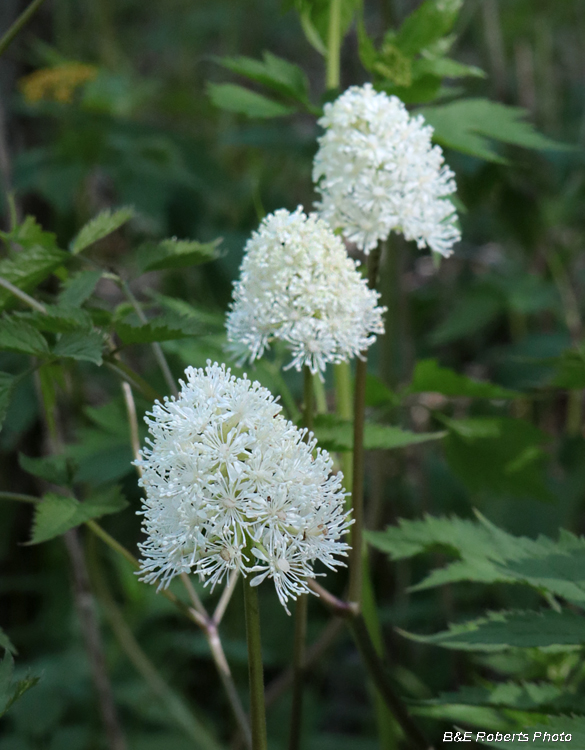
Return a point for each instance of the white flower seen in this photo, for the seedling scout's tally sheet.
(298, 285)
(231, 485)
(377, 171)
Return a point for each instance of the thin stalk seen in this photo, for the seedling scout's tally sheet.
(320, 396)
(23, 296)
(344, 410)
(225, 597)
(133, 422)
(355, 560)
(299, 665)
(156, 347)
(173, 702)
(193, 595)
(19, 24)
(18, 497)
(128, 375)
(308, 398)
(333, 45)
(255, 669)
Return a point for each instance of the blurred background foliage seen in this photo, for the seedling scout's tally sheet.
(104, 104)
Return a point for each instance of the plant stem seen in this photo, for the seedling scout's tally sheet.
(19, 24)
(299, 661)
(255, 668)
(320, 397)
(333, 45)
(128, 375)
(308, 398)
(156, 347)
(357, 495)
(23, 296)
(343, 407)
(18, 497)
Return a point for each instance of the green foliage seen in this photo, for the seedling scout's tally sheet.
(314, 16)
(277, 74)
(11, 690)
(58, 319)
(469, 125)
(53, 469)
(6, 643)
(238, 99)
(335, 434)
(173, 253)
(504, 630)
(163, 328)
(100, 226)
(499, 455)
(430, 376)
(82, 345)
(18, 336)
(79, 288)
(7, 383)
(56, 514)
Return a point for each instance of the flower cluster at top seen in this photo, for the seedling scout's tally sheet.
(377, 171)
(298, 285)
(232, 486)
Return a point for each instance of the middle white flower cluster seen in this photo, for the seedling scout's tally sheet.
(232, 486)
(298, 285)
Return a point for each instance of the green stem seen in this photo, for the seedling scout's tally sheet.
(357, 495)
(27, 299)
(308, 398)
(344, 409)
(18, 497)
(320, 396)
(299, 661)
(255, 668)
(19, 24)
(333, 45)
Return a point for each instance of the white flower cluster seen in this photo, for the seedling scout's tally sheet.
(231, 485)
(376, 171)
(297, 284)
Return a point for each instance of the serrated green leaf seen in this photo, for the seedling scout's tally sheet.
(234, 98)
(79, 288)
(314, 17)
(511, 629)
(429, 376)
(54, 469)
(57, 319)
(524, 696)
(56, 514)
(444, 67)
(173, 253)
(428, 23)
(11, 691)
(84, 345)
(6, 643)
(99, 227)
(184, 309)
(28, 268)
(18, 336)
(166, 327)
(468, 125)
(335, 434)
(7, 384)
(274, 72)
(30, 234)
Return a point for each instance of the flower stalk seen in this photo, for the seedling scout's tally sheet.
(255, 668)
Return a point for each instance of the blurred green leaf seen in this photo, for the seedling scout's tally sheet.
(11, 691)
(54, 469)
(163, 328)
(58, 319)
(468, 125)
(56, 514)
(314, 17)
(570, 725)
(18, 336)
(429, 376)
(77, 289)
(336, 434)
(173, 253)
(6, 643)
(569, 370)
(239, 99)
(431, 20)
(274, 72)
(500, 455)
(511, 629)
(7, 385)
(82, 345)
(99, 227)
(471, 312)
(28, 267)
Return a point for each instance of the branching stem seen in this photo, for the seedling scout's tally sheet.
(255, 668)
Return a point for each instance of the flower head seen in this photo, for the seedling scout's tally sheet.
(298, 285)
(232, 485)
(376, 171)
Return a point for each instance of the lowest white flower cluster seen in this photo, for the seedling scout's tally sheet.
(231, 485)
(297, 284)
(377, 171)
